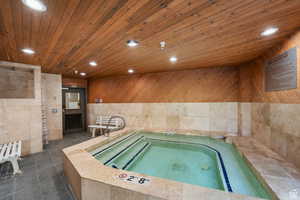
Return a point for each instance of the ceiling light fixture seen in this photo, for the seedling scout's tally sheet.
(35, 5)
(132, 43)
(162, 45)
(76, 72)
(130, 71)
(269, 31)
(83, 74)
(173, 59)
(93, 63)
(28, 51)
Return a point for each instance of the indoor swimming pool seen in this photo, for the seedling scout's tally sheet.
(196, 160)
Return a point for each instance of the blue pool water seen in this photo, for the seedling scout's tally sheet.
(195, 160)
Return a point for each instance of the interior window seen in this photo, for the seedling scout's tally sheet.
(72, 100)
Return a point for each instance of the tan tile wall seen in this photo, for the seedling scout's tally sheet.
(275, 125)
(52, 96)
(275, 119)
(217, 117)
(97, 191)
(244, 118)
(73, 177)
(20, 119)
(278, 127)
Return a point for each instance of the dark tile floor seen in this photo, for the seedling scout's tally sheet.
(42, 177)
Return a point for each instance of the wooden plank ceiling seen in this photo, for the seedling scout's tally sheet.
(201, 33)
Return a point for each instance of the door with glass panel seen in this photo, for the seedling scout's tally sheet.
(74, 106)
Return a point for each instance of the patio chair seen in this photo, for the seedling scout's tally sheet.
(11, 152)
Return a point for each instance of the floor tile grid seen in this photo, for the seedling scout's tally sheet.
(42, 176)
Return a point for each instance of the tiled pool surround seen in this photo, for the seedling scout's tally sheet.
(83, 174)
(129, 142)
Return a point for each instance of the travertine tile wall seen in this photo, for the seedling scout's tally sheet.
(245, 119)
(52, 96)
(20, 119)
(275, 119)
(217, 117)
(278, 127)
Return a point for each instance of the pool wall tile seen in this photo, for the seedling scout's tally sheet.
(244, 119)
(275, 125)
(173, 121)
(95, 190)
(21, 117)
(218, 124)
(196, 109)
(217, 117)
(232, 126)
(52, 99)
(118, 193)
(281, 176)
(175, 109)
(197, 123)
(278, 127)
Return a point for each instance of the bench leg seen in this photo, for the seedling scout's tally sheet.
(93, 132)
(106, 132)
(15, 165)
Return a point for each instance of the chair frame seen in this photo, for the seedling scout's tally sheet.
(11, 152)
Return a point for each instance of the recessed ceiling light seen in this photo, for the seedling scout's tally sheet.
(28, 51)
(82, 73)
(93, 63)
(173, 59)
(162, 45)
(130, 71)
(76, 72)
(269, 31)
(132, 43)
(35, 5)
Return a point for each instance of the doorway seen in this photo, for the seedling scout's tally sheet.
(74, 110)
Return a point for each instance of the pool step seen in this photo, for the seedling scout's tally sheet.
(122, 150)
(108, 146)
(111, 150)
(137, 155)
(122, 160)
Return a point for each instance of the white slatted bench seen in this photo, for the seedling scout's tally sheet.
(104, 122)
(11, 152)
